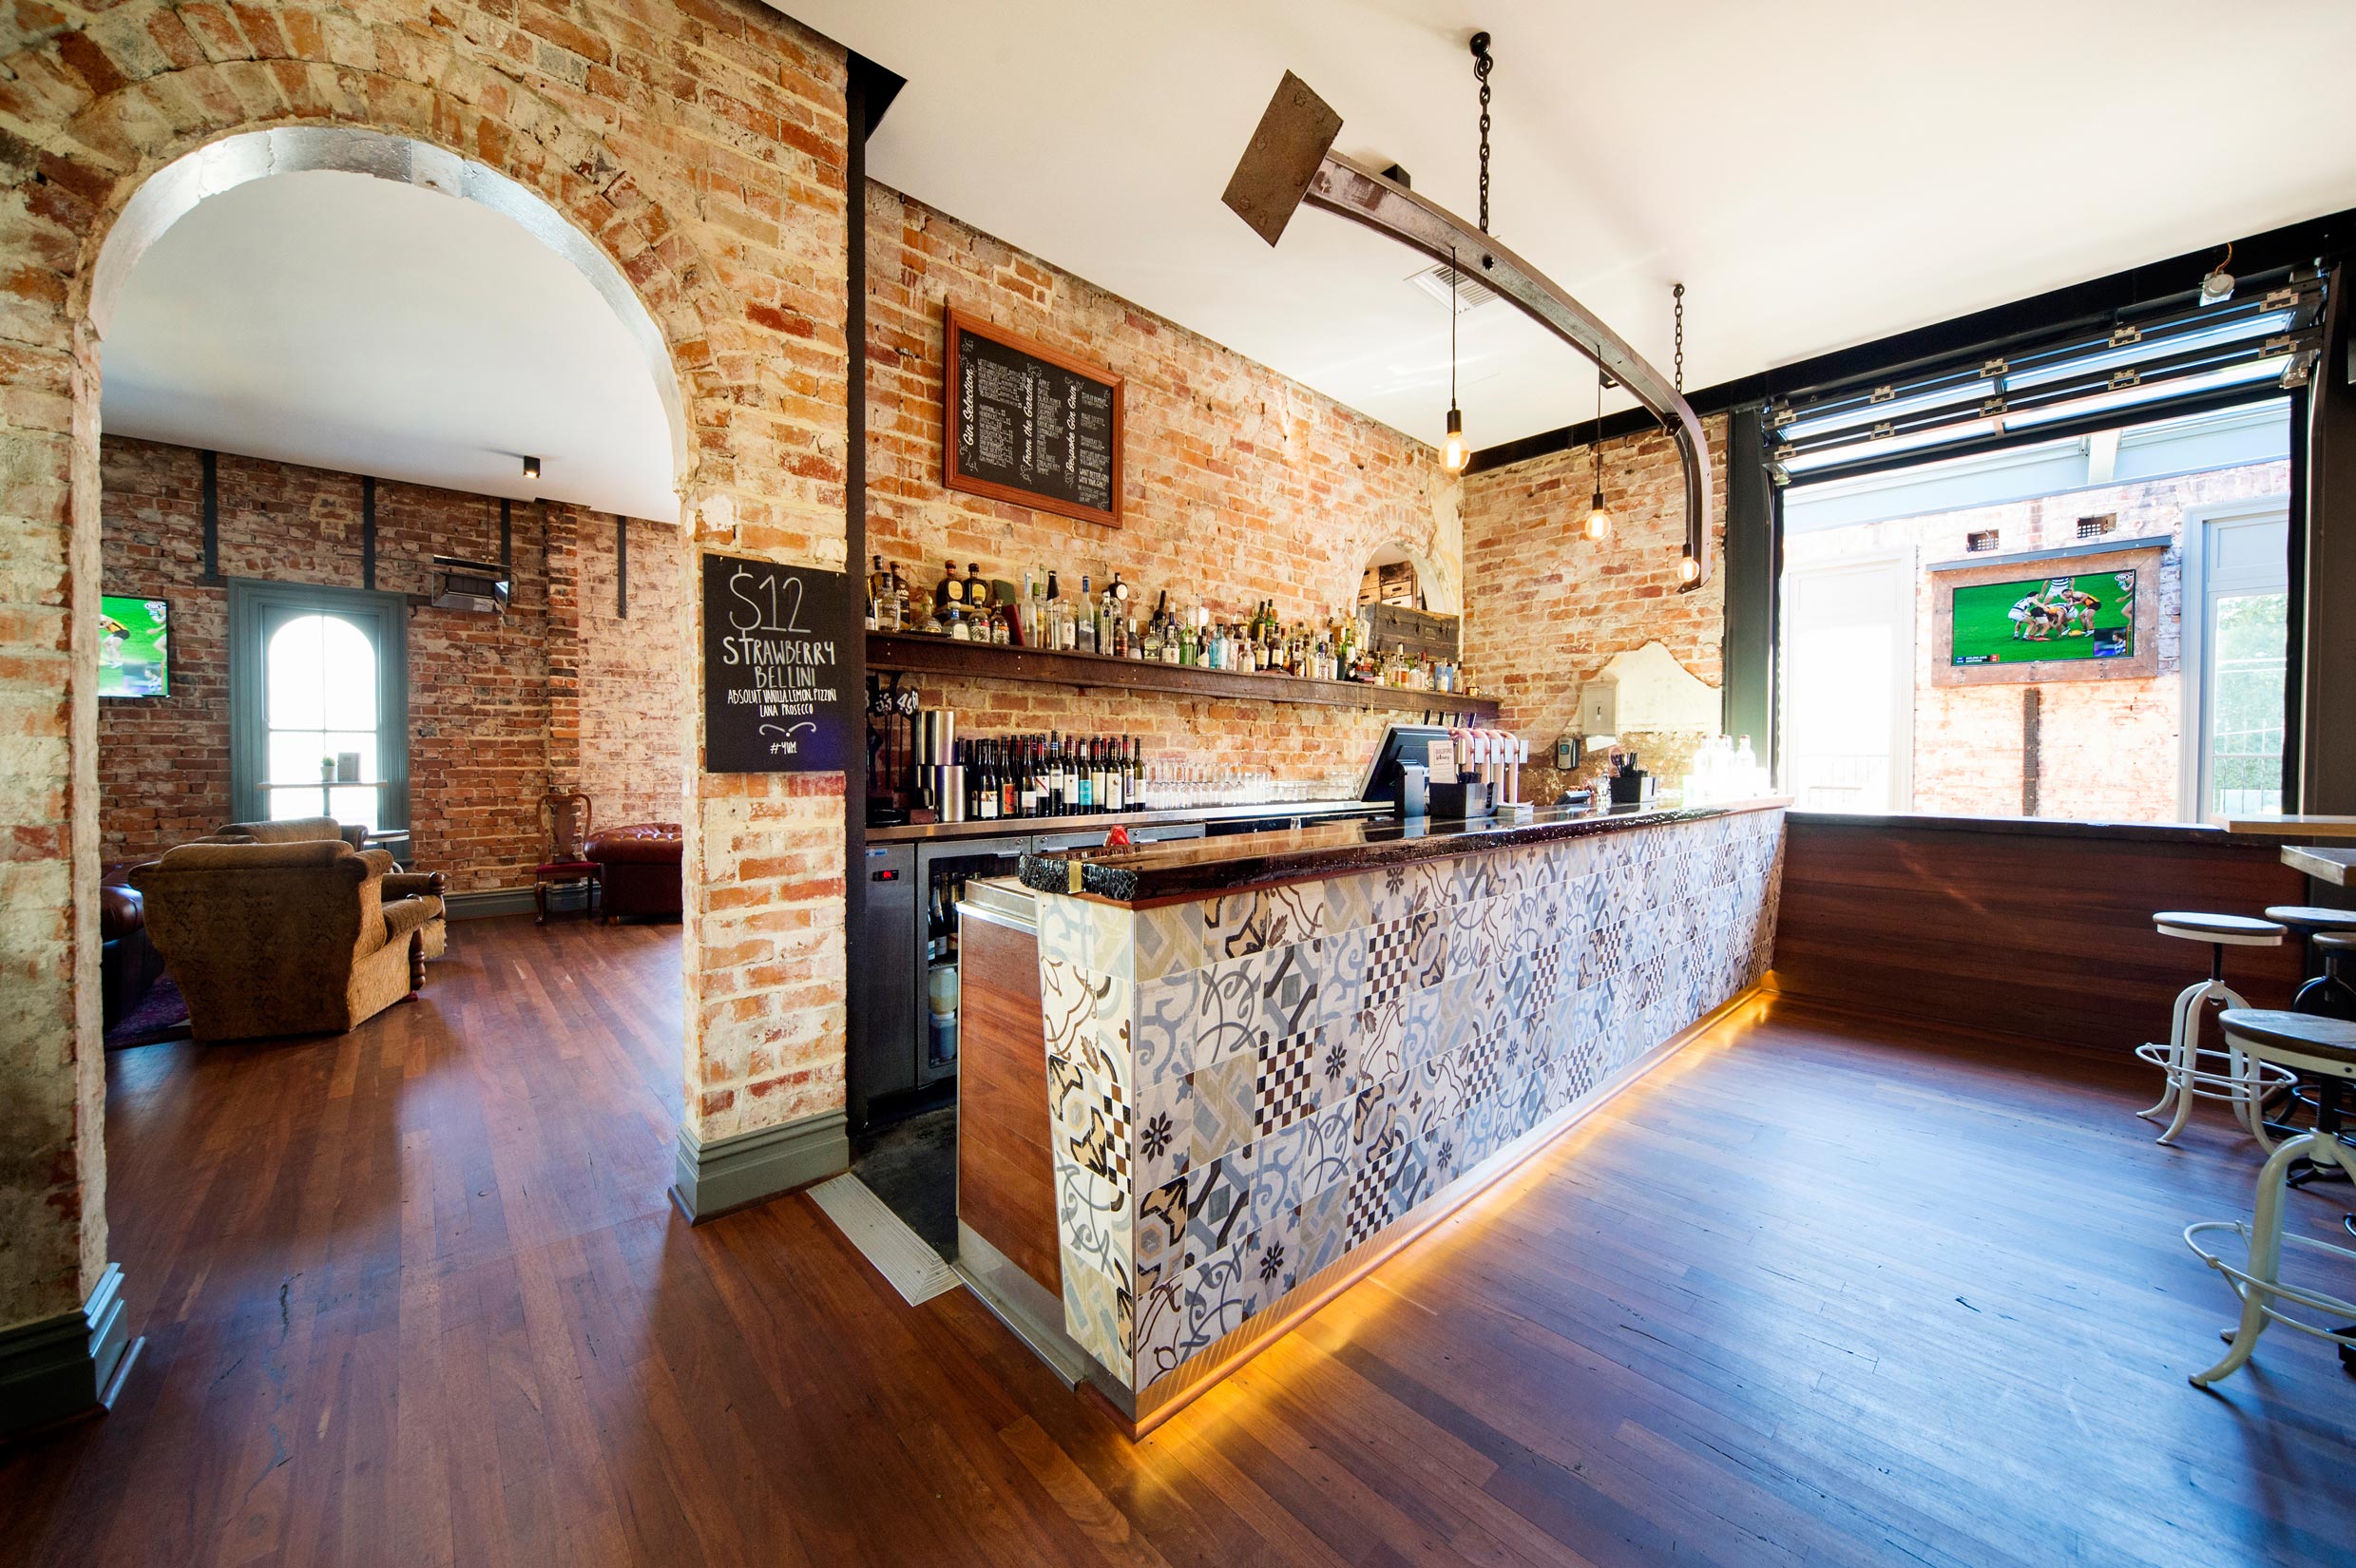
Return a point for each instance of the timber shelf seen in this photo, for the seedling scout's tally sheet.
(921, 655)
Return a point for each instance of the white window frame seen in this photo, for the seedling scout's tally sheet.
(2193, 635)
(1910, 676)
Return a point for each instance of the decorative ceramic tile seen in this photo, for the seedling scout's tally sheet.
(1163, 1041)
(1289, 1082)
(1221, 1106)
(1295, 1164)
(1295, 1071)
(1169, 942)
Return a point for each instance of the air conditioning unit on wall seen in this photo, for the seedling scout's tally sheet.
(459, 584)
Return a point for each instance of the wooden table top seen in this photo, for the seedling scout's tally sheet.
(2310, 827)
(2325, 865)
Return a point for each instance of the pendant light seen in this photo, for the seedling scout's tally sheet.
(1598, 516)
(1454, 453)
(1689, 565)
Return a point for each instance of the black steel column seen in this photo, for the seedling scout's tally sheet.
(212, 518)
(622, 567)
(1753, 561)
(2323, 579)
(367, 533)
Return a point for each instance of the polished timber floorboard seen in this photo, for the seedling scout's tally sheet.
(1820, 1292)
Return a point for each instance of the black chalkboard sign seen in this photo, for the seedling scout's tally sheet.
(1030, 424)
(778, 696)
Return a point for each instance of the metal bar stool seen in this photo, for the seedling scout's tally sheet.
(2325, 994)
(2194, 1071)
(2317, 1048)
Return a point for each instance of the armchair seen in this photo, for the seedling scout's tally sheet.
(312, 830)
(283, 939)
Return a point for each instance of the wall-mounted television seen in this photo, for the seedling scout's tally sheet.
(2067, 614)
(134, 646)
(2045, 619)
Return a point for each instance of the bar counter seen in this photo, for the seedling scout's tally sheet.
(1231, 1076)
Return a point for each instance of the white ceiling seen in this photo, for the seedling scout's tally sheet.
(1819, 173)
(350, 322)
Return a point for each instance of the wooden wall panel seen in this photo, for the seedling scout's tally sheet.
(2030, 928)
(1005, 1172)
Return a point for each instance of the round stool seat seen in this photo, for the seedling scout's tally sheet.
(2234, 930)
(2328, 943)
(2313, 917)
(2302, 1035)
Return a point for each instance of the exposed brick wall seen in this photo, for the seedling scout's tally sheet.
(480, 685)
(632, 671)
(700, 146)
(1238, 486)
(1548, 608)
(2109, 750)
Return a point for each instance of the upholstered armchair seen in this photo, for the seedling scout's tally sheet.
(311, 829)
(283, 939)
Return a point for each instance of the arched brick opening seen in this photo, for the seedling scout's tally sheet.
(745, 291)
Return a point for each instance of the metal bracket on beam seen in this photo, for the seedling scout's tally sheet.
(1290, 163)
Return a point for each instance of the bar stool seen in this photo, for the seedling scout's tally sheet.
(2245, 1083)
(2322, 1048)
(2324, 994)
(2328, 991)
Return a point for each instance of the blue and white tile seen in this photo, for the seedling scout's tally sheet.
(1168, 1021)
(1169, 942)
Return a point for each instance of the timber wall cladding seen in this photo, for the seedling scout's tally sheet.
(1546, 607)
(483, 692)
(701, 144)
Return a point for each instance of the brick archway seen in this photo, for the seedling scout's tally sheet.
(700, 154)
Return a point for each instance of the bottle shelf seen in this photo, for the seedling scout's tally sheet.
(920, 654)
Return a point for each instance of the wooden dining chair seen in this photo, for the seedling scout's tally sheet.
(566, 814)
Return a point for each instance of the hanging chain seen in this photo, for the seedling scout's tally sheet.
(1481, 64)
(1679, 292)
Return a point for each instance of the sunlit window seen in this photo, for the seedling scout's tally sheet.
(321, 698)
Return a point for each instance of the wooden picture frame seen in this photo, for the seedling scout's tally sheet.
(956, 323)
(2144, 557)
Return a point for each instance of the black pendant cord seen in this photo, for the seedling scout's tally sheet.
(1453, 275)
(1596, 447)
(1481, 64)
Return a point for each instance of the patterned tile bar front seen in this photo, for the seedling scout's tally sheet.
(1250, 1087)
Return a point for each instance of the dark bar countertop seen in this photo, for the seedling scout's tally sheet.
(1201, 867)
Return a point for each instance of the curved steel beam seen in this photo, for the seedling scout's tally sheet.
(1290, 162)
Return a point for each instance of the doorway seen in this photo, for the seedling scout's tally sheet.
(2237, 656)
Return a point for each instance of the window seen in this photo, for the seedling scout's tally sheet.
(2121, 658)
(319, 704)
(2237, 629)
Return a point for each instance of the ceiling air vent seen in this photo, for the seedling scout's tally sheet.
(1470, 293)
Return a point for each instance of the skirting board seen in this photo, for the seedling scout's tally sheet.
(510, 901)
(747, 1168)
(67, 1366)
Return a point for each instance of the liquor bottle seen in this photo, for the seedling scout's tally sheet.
(977, 587)
(983, 784)
(1151, 649)
(948, 590)
(1188, 651)
(1002, 625)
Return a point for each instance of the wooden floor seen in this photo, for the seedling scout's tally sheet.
(1817, 1292)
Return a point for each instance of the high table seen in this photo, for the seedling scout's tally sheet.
(2323, 862)
(1207, 1085)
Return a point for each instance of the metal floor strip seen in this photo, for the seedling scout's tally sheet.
(901, 1255)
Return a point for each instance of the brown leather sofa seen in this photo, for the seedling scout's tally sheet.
(127, 962)
(641, 868)
(311, 829)
(283, 939)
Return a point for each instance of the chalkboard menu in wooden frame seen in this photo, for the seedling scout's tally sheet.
(1028, 424)
(777, 698)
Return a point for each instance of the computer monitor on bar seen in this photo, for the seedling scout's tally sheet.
(1401, 743)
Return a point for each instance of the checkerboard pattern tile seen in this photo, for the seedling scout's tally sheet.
(1289, 1081)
